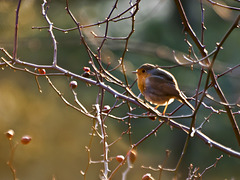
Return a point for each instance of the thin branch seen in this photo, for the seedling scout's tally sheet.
(190, 31)
(79, 103)
(66, 102)
(16, 31)
(223, 6)
(44, 13)
(88, 149)
(104, 141)
(203, 27)
(10, 162)
(213, 165)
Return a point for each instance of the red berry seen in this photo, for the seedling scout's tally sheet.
(86, 69)
(147, 176)
(26, 139)
(73, 84)
(42, 71)
(119, 158)
(106, 108)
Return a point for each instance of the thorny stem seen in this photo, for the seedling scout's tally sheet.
(104, 141)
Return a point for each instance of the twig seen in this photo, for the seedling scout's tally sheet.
(44, 13)
(105, 144)
(223, 6)
(78, 102)
(213, 165)
(65, 101)
(10, 162)
(203, 27)
(16, 31)
(88, 149)
(163, 164)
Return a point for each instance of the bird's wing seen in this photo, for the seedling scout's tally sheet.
(162, 86)
(161, 73)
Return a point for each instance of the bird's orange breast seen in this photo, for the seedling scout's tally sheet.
(141, 80)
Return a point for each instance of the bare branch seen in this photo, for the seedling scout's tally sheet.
(16, 31)
(223, 6)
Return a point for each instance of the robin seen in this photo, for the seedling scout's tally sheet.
(159, 86)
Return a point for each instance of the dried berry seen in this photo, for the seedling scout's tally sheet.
(73, 84)
(106, 108)
(147, 176)
(119, 158)
(26, 139)
(86, 69)
(9, 134)
(132, 156)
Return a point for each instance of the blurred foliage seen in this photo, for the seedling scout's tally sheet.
(60, 134)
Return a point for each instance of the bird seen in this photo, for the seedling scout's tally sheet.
(159, 86)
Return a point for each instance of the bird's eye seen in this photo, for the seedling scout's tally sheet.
(143, 71)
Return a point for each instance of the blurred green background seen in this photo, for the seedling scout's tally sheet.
(60, 134)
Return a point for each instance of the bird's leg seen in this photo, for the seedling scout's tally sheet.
(156, 106)
(165, 109)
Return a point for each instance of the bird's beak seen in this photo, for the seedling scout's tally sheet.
(134, 72)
